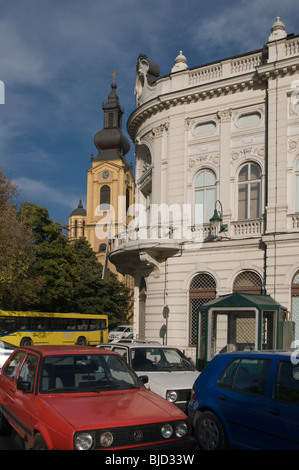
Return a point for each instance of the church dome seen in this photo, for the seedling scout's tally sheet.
(111, 141)
(79, 210)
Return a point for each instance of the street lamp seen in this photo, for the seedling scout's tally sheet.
(216, 220)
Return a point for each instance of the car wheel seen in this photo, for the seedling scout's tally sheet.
(5, 427)
(39, 443)
(26, 342)
(81, 341)
(209, 432)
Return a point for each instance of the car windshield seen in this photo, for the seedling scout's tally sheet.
(159, 359)
(86, 373)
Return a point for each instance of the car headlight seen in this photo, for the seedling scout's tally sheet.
(171, 395)
(181, 429)
(83, 441)
(166, 431)
(106, 439)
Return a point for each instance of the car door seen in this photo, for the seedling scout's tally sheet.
(9, 387)
(282, 420)
(242, 400)
(24, 407)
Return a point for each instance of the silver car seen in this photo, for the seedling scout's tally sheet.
(170, 374)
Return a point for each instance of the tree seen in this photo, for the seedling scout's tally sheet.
(16, 250)
(55, 261)
(90, 293)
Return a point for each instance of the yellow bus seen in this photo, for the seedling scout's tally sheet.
(27, 328)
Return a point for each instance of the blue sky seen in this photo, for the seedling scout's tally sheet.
(56, 61)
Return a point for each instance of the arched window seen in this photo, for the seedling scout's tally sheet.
(205, 196)
(295, 303)
(297, 186)
(105, 195)
(202, 289)
(248, 282)
(249, 192)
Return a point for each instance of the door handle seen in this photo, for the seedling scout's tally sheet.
(221, 397)
(12, 390)
(275, 412)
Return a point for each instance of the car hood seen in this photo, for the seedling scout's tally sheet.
(160, 382)
(112, 409)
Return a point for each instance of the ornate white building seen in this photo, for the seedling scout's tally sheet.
(219, 139)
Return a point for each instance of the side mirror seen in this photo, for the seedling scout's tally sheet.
(144, 379)
(24, 386)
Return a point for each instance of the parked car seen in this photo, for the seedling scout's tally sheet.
(247, 400)
(81, 398)
(170, 374)
(5, 351)
(121, 331)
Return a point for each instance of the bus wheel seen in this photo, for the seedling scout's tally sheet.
(26, 342)
(81, 341)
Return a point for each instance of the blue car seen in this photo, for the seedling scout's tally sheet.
(247, 400)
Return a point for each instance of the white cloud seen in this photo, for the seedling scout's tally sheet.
(33, 190)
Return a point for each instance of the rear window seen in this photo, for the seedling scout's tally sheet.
(246, 375)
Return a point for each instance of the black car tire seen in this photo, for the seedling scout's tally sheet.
(26, 342)
(39, 443)
(5, 427)
(209, 432)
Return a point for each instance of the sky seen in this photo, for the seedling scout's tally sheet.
(56, 63)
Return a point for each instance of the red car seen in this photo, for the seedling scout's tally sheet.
(81, 398)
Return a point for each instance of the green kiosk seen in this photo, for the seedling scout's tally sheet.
(240, 322)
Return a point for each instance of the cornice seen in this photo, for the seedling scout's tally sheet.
(202, 92)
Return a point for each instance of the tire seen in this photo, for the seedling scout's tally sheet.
(81, 341)
(39, 443)
(26, 342)
(5, 427)
(209, 432)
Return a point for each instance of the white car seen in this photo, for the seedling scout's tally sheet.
(5, 351)
(170, 374)
(122, 331)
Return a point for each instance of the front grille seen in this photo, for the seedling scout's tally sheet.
(183, 395)
(126, 436)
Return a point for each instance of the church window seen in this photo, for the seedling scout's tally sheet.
(105, 195)
(205, 196)
(249, 192)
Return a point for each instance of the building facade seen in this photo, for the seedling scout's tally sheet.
(216, 187)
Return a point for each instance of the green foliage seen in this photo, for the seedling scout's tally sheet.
(42, 270)
(90, 293)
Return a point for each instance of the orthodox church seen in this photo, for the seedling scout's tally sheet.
(110, 187)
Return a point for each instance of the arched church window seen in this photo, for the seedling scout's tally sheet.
(202, 290)
(105, 195)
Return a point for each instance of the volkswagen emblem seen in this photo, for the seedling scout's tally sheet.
(138, 435)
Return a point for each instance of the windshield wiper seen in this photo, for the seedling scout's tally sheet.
(62, 389)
